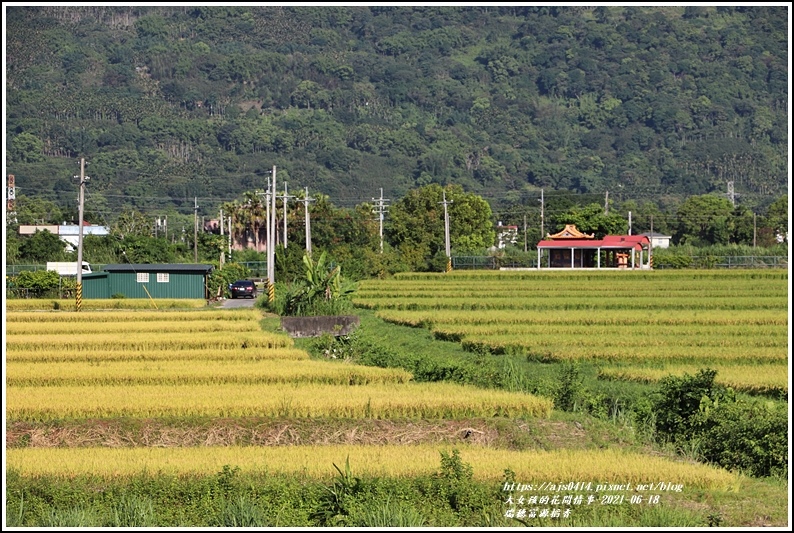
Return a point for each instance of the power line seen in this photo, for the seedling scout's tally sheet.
(352, 201)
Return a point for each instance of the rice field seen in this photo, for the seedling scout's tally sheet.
(567, 303)
(122, 303)
(201, 340)
(88, 317)
(752, 379)
(175, 372)
(711, 317)
(199, 356)
(648, 318)
(210, 364)
(117, 328)
(558, 467)
(301, 399)
(182, 366)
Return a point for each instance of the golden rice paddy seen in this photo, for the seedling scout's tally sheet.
(559, 467)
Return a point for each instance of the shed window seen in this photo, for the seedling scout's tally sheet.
(143, 277)
(162, 277)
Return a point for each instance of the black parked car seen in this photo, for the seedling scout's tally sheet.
(244, 288)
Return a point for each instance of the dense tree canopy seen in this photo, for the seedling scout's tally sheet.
(705, 219)
(592, 219)
(416, 224)
(43, 246)
(169, 104)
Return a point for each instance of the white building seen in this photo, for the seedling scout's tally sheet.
(506, 235)
(69, 233)
(657, 239)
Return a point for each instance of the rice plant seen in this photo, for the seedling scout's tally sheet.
(558, 467)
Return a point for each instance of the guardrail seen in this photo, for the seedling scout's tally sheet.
(21, 293)
(487, 262)
(470, 262)
(258, 268)
(729, 261)
(484, 262)
(752, 261)
(13, 270)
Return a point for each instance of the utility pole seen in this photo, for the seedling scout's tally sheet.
(446, 230)
(380, 209)
(269, 195)
(79, 293)
(650, 246)
(270, 219)
(525, 232)
(306, 201)
(754, 230)
(266, 195)
(221, 260)
(629, 222)
(606, 203)
(542, 235)
(271, 246)
(195, 229)
(731, 194)
(284, 199)
(10, 200)
(230, 237)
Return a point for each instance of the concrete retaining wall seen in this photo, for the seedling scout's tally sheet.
(315, 326)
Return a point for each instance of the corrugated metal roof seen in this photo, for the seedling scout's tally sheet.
(163, 267)
(570, 243)
(609, 241)
(625, 239)
(95, 275)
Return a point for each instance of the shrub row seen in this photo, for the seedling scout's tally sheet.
(736, 434)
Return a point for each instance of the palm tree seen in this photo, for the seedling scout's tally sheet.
(254, 214)
(237, 227)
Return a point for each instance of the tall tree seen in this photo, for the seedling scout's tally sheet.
(132, 223)
(591, 219)
(704, 220)
(41, 247)
(416, 224)
(777, 216)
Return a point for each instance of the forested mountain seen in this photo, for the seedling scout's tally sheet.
(171, 103)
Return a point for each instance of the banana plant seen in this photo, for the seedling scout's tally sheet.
(325, 283)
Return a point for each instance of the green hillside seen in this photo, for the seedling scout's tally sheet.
(171, 103)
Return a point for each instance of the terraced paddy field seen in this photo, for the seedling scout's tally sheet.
(209, 417)
(662, 319)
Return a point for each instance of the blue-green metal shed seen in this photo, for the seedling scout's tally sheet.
(144, 281)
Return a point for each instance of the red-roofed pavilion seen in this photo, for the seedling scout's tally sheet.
(571, 248)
